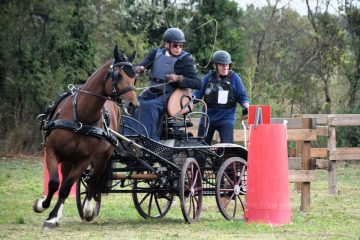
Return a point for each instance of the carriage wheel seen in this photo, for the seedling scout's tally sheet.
(81, 193)
(230, 188)
(191, 191)
(149, 199)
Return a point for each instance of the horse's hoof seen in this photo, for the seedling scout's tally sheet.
(89, 218)
(50, 225)
(37, 206)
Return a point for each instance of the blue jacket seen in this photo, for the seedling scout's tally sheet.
(219, 116)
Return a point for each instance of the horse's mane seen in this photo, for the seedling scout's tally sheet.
(101, 68)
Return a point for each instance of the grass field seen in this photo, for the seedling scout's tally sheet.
(21, 182)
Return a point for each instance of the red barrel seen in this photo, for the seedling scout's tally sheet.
(267, 195)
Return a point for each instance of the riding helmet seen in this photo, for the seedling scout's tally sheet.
(174, 35)
(222, 57)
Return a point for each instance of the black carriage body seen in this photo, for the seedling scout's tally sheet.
(163, 162)
(157, 171)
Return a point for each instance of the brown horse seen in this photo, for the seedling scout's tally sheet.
(77, 133)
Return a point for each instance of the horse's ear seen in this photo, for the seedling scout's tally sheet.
(116, 54)
(132, 57)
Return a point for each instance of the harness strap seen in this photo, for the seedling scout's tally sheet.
(74, 109)
(122, 91)
(81, 128)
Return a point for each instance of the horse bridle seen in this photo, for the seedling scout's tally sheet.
(116, 92)
(116, 96)
(116, 77)
(114, 74)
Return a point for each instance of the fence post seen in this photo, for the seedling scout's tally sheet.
(332, 163)
(299, 148)
(306, 165)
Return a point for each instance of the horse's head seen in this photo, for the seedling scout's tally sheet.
(123, 81)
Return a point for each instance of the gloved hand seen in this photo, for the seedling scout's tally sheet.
(174, 78)
(139, 70)
(245, 112)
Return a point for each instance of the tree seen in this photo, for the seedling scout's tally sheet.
(329, 51)
(44, 50)
(294, 63)
(216, 25)
(352, 69)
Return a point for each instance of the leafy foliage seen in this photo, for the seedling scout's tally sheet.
(297, 64)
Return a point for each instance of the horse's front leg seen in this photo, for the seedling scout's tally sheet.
(41, 205)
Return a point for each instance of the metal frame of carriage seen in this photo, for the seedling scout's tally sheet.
(183, 165)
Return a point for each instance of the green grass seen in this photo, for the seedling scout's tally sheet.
(21, 182)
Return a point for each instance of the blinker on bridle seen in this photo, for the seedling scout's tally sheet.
(116, 77)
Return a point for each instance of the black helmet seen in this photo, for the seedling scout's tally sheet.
(174, 35)
(222, 57)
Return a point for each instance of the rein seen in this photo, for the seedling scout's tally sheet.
(158, 85)
(116, 72)
(73, 89)
(121, 92)
(116, 93)
(114, 75)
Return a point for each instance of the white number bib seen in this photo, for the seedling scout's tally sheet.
(223, 96)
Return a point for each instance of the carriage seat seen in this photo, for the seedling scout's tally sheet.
(180, 103)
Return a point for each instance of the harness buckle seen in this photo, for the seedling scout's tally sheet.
(72, 88)
(79, 128)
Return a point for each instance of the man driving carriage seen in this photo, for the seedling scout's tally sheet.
(171, 67)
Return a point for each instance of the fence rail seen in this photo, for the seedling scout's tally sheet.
(301, 169)
(304, 129)
(326, 125)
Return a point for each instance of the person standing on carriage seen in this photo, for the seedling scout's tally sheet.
(221, 89)
(171, 67)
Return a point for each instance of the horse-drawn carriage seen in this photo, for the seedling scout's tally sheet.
(179, 165)
(100, 160)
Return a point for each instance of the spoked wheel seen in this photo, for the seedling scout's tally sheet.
(81, 193)
(150, 198)
(191, 191)
(230, 188)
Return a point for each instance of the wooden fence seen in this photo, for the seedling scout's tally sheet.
(303, 159)
(326, 126)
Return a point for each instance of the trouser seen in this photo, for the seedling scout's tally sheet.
(151, 112)
(226, 132)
